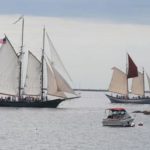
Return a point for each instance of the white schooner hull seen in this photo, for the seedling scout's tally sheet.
(142, 100)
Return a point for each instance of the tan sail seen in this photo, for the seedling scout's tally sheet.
(118, 82)
(137, 87)
(148, 78)
(33, 81)
(9, 69)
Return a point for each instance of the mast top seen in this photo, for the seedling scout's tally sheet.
(22, 34)
(43, 39)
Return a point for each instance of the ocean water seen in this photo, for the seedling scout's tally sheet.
(75, 125)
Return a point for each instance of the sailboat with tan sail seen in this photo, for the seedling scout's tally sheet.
(119, 88)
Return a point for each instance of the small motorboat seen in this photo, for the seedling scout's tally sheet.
(117, 117)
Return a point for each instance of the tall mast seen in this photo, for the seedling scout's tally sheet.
(143, 83)
(20, 59)
(42, 73)
(127, 73)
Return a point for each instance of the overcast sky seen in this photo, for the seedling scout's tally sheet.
(133, 11)
(91, 36)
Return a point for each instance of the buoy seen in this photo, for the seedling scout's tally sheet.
(132, 124)
(140, 124)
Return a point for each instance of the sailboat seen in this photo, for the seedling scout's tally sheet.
(119, 87)
(44, 86)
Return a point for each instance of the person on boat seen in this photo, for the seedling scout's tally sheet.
(1, 98)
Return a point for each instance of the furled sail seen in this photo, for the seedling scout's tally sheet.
(9, 71)
(33, 81)
(118, 82)
(137, 87)
(132, 68)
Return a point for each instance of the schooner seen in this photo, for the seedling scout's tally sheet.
(42, 79)
(119, 85)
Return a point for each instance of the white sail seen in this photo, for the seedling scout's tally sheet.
(118, 82)
(52, 88)
(55, 59)
(62, 84)
(9, 69)
(51, 82)
(56, 83)
(137, 87)
(148, 78)
(33, 81)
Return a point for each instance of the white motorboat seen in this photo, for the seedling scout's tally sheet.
(117, 117)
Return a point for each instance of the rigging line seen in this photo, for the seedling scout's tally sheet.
(21, 17)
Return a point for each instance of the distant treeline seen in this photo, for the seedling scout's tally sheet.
(92, 90)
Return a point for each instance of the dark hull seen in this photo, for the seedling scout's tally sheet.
(40, 104)
(143, 100)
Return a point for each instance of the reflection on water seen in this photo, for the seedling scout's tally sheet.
(75, 125)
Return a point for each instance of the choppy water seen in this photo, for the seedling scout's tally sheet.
(76, 125)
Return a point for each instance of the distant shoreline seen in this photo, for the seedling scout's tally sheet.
(92, 90)
(98, 90)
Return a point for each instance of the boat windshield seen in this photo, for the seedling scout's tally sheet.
(116, 113)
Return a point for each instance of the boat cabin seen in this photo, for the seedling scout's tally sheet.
(115, 112)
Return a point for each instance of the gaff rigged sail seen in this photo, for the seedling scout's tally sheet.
(132, 68)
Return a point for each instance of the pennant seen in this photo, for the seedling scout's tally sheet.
(3, 41)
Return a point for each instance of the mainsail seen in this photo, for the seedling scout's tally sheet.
(118, 82)
(138, 85)
(132, 68)
(9, 69)
(33, 81)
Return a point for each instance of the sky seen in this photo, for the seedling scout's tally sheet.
(135, 11)
(91, 36)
